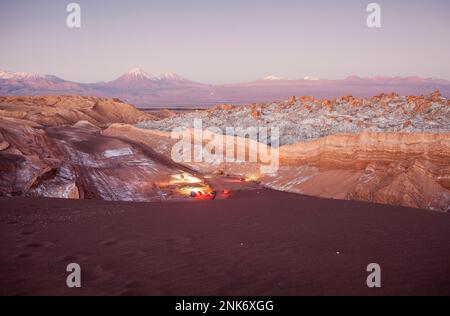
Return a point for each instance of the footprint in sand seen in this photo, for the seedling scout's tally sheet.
(134, 288)
(183, 245)
(39, 244)
(182, 240)
(21, 240)
(109, 243)
(110, 228)
(72, 258)
(96, 273)
(23, 255)
(35, 245)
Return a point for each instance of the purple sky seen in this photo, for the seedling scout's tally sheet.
(226, 41)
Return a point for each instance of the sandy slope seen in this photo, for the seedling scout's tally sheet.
(248, 245)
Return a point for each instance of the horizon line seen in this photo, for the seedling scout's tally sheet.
(268, 78)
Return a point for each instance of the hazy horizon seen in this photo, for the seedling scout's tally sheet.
(226, 42)
(311, 78)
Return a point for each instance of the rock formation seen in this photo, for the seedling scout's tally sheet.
(42, 154)
(387, 149)
(391, 168)
(67, 110)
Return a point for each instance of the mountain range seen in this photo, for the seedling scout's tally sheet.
(172, 90)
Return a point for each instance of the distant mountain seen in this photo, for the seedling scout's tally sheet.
(173, 78)
(140, 82)
(29, 77)
(8, 75)
(172, 90)
(20, 83)
(139, 74)
(273, 78)
(134, 79)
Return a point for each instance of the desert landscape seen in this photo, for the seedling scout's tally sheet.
(116, 161)
(224, 148)
(386, 149)
(111, 156)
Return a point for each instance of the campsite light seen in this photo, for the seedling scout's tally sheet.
(251, 178)
(184, 178)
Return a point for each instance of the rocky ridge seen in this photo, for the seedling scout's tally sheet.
(387, 149)
(67, 110)
(51, 147)
(305, 118)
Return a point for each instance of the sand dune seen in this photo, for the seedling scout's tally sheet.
(247, 245)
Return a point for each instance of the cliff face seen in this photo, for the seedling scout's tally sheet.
(76, 162)
(301, 119)
(163, 144)
(356, 151)
(389, 148)
(391, 168)
(30, 157)
(40, 157)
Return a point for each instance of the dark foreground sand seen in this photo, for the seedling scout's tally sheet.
(257, 243)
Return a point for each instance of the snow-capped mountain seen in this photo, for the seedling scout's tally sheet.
(172, 77)
(174, 80)
(18, 75)
(272, 78)
(13, 75)
(310, 78)
(139, 73)
(9, 75)
(137, 78)
(170, 89)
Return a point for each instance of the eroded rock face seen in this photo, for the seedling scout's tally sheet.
(163, 114)
(409, 184)
(358, 150)
(387, 149)
(3, 144)
(309, 119)
(43, 155)
(395, 150)
(108, 168)
(68, 110)
(29, 157)
(76, 162)
(32, 162)
(390, 168)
